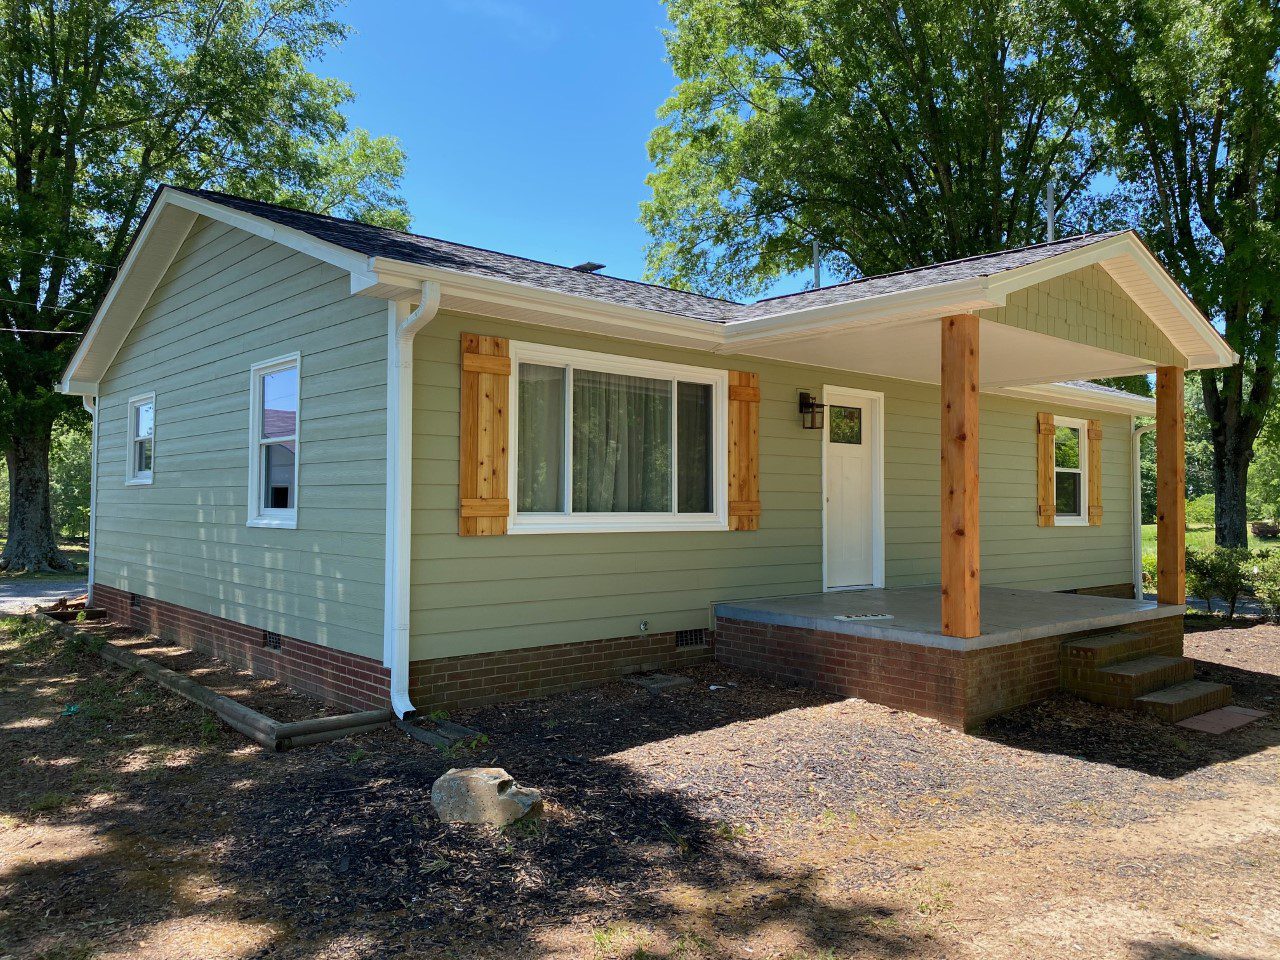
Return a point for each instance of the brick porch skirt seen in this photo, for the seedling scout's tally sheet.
(360, 683)
(960, 688)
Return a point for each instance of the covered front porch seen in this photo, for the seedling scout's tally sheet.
(891, 646)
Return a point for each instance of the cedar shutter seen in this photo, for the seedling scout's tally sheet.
(744, 451)
(1046, 499)
(1094, 480)
(482, 464)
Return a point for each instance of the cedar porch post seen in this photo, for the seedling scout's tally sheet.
(961, 578)
(1171, 482)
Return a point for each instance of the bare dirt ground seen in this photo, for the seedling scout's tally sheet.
(734, 818)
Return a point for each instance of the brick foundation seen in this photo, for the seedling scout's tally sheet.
(359, 683)
(471, 681)
(343, 679)
(960, 688)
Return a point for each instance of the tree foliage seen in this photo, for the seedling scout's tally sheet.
(895, 134)
(101, 101)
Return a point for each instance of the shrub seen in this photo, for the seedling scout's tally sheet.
(1266, 580)
(1200, 511)
(1149, 574)
(1221, 572)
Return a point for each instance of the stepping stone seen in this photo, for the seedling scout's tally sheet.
(659, 682)
(1222, 719)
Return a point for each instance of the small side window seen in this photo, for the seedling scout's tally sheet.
(142, 439)
(273, 447)
(1071, 479)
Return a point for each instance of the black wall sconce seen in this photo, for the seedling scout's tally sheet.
(811, 412)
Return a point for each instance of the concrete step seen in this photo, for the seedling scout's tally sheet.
(1133, 678)
(1185, 699)
(1104, 650)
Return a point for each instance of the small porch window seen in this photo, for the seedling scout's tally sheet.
(613, 443)
(273, 450)
(1070, 476)
(142, 439)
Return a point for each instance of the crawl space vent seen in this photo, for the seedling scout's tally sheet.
(270, 640)
(691, 638)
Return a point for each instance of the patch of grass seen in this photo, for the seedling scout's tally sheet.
(935, 900)
(1200, 537)
(692, 946)
(50, 802)
(617, 940)
(731, 831)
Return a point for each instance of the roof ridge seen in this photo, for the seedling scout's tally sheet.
(1092, 237)
(453, 243)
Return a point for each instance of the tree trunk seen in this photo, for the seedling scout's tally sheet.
(31, 545)
(1230, 479)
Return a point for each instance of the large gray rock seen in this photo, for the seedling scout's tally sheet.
(483, 795)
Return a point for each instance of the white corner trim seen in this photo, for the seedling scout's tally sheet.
(402, 327)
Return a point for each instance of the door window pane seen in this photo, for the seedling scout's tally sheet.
(846, 424)
(621, 443)
(540, 440)
(280, 403)
(693, 439)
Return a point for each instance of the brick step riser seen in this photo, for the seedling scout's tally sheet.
(1128, 647)
(1121, 690)
(1173, 712)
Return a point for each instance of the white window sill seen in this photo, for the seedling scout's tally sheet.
(138, 482)
(1070, 522)
(661, 524)
(274, 523)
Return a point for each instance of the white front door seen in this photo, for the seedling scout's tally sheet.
(850, 526)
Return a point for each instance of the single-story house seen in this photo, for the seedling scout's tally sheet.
(393, 470)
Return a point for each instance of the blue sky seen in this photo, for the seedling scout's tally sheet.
(524, 121)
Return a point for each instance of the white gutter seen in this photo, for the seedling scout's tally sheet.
(401, 328)
(1138, 433)
(91, 405)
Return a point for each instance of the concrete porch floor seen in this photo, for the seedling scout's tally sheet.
(1008, 615)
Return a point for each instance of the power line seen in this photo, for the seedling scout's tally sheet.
(56, 333)
(58, 256)
(28, 303)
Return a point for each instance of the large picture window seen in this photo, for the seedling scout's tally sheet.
(610, 443)
(1070, 476)
(273, 450)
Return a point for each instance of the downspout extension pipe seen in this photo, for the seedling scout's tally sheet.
(402, 326)
(1138, 434)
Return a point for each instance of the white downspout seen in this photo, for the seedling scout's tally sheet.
(91, 405)
(401, 329)
(1138, 433)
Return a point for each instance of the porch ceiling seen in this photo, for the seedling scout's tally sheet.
(911, 350)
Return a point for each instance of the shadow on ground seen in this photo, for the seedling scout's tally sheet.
(136, 823)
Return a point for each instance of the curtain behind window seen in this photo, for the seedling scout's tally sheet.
(621, 443)
(540, 443)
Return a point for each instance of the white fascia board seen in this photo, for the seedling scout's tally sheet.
(1074, 396)
(637, 320)
(936, 300)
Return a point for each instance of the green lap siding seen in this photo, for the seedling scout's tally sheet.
(480, 594)
(230, 300)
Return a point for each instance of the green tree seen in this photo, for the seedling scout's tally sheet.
(1188, 92)
(101, 101)
(894, 134)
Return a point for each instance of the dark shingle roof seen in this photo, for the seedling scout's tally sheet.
(428, 251)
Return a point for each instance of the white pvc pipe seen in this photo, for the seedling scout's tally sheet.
(91, 404)
(401, 329)
(1138, 433)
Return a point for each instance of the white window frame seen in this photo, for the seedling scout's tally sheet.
(260, 516)
(1082, 427)
(568, 522)
(134, 477)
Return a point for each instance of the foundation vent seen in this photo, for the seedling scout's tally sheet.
(691, 638)
(270, 640)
